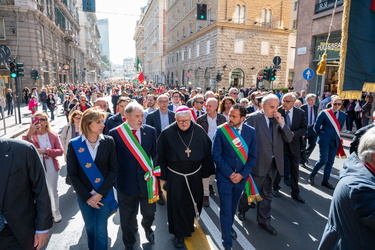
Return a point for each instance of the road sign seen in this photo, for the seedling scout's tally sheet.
(276, 60)
(188, 74)
(308, 74)
(260, 77)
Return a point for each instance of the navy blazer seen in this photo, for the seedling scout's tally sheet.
(323, 127)
(227, 160)
(113, 122)
(153, 119)
(130, 177)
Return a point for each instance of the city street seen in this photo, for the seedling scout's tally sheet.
(299, 225)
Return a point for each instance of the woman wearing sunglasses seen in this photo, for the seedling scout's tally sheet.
(49, 147)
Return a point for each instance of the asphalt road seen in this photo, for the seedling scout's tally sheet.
(299, 226)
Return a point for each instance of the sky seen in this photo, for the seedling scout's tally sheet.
(122, 17)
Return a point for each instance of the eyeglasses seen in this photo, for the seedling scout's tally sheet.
(287, 101)
(200, 102)
(245, 102)
(184, 121)
(42, 119)
(163, 101)
(235, 93)
(337, 104)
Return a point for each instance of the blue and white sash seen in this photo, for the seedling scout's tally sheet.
(91, 170)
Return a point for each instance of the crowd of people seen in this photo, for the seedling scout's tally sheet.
(181, 141)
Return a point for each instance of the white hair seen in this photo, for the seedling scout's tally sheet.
(366, 146)
(269, 97)
(133, 106)
(183, 113)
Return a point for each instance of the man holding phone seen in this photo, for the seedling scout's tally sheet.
(271, 133)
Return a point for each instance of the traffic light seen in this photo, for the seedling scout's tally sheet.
(266, 74)
(19, 69)
(201, 11)
(273, 74)
(13, 70)
(218, 77)
(34, 74)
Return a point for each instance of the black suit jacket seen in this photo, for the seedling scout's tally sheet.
(153, 119)
(250, 109)
(315, 108)
(24, 198)
(112, 122)
(298, 127)
(202, 120)
(106, 161)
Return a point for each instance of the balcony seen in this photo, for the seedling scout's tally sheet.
(69, 36)
(326, 5)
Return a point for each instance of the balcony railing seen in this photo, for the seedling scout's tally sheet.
(326, 5)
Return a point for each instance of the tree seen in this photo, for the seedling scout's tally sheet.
(105, 63)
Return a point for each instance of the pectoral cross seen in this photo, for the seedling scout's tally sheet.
(188, 151)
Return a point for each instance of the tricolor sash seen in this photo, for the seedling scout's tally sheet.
(91, 170)
(143, 159)
(335, 123)
(240, 147)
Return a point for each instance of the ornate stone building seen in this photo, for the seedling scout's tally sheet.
(232, 47)
(44, 35)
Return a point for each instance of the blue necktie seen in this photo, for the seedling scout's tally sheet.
(287, 118)
(1, 220)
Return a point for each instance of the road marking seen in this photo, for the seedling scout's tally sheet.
(241, 239)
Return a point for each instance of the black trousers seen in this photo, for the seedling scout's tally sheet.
(310, 139)
(293, 160)
(128, 206)
(8, 241)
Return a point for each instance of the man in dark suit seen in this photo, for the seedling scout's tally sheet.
(350, 115)
(209, 122)
(25, 207)
(271, 133)
(357, 136)
(176, 101)
(162, 117)
(311, 112)
(197, 109)
(114, 99)
(328, 139)
(295, 119)
(119, 118)
(232, 167)
(132, 189)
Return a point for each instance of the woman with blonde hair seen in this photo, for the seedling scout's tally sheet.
(49, 147)
(92, 168)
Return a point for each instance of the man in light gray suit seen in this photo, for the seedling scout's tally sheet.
(271, 133)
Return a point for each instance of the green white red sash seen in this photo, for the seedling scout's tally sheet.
(143, 159)
(240, 147)
(335, 123)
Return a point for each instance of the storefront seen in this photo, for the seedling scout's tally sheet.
(237, 78)
(328, 81)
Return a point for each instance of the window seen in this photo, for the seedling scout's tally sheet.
(240, 14)
(238, 46)
(197, 50)
(42, 33)
(295, 24)
(189, 53)
(265, 48)
(183, 55)
(208, 44)
(2, 29)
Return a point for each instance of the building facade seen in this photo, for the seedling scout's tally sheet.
(104, 37)
(314, 18)
(154, 41)
(231, 48)
(43, 35)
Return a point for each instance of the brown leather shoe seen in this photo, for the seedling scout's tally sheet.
(206, 201)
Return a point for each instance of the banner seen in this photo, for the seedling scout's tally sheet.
(357, 57)
(140, 75)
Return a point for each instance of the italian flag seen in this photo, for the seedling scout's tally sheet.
(140, 75)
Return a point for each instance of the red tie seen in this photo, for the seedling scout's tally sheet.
(134, 131)
(124, 119)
